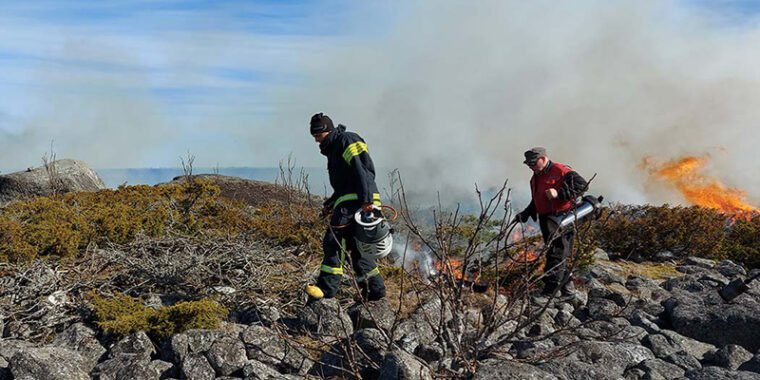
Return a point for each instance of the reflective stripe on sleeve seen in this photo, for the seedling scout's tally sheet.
(354, 149)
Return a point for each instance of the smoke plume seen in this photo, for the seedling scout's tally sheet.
(459, 90)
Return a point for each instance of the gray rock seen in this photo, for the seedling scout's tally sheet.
(334, 363)
(730, 356)
(753, 365)
(660, 345)
(162, 368)
(634, 374)
(566, 319)
(633, 334)
(700, 262)
(257, 370)
(664, 256)
(606, 357)
(574, 370)
(658, 368)
(191, 341)
(137, 344)
(399, 365)
(684, 360)
(494, 369)
(606, 274)
(605, 329)
(697, 311)
(602, 309)
(81, 339)
(326, 318)
(269, 348)
(529, 349)
(429, 352)
(691, 346)
(372, 314)
(196, 367)
(730, 269)
(129, 367)
(372, 342)
(418, 328)
(8, 348)
(47, 363)
(717, 373)
(72, 175)
(18, 330)
(175, 348)
(227, 355)
(600, 254)
(643, 319)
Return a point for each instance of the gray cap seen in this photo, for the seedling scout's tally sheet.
(532, 155)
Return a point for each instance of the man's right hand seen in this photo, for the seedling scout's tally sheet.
(522, 217)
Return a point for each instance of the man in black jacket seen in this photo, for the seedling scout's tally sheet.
(352, 177)
(554, 189)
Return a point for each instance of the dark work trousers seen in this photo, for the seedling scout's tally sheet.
(559, 249)
(338, 244)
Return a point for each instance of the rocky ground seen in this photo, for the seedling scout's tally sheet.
(623, 321)
(611, 327)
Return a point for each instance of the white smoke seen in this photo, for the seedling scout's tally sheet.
(460, 89)
(412, 257)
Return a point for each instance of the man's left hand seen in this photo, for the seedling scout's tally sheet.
(552, 194)
(367, 208)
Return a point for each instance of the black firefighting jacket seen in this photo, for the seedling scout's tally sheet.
(352, 173)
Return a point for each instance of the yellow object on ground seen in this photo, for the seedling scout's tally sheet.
(314, 291)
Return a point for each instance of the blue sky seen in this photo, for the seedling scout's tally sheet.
(138, 83)
(70, 67)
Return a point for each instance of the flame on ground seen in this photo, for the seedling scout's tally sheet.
(699, 189)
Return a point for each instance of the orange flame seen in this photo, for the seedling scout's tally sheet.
(697, 188)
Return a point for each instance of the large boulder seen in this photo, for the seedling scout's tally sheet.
(131, 367)
(373, 314)
(227, 355)
(597, 360)
(70, 176)
(81, 339)
(695, 309)
(399, 364)
(494, 369)
(48, 363)
(249, 192)
(717, 373)
(137, 344)
(196, 367)
(327, 319)
(268, 347)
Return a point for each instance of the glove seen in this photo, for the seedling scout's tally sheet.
(522, 217)
(327, 207)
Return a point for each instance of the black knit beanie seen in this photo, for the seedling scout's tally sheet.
(320, 123)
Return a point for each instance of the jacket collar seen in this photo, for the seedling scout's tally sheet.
(545, 170)
(326, 144)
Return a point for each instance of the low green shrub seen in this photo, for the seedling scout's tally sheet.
(124, 315)
(683, 231)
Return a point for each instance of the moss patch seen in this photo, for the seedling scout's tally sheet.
(124, 315)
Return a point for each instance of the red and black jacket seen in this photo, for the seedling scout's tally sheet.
(568, 183)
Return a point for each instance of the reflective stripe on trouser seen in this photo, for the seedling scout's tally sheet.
(354, 197)
(367, 275)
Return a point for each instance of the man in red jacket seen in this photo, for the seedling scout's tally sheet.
(554, 189)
